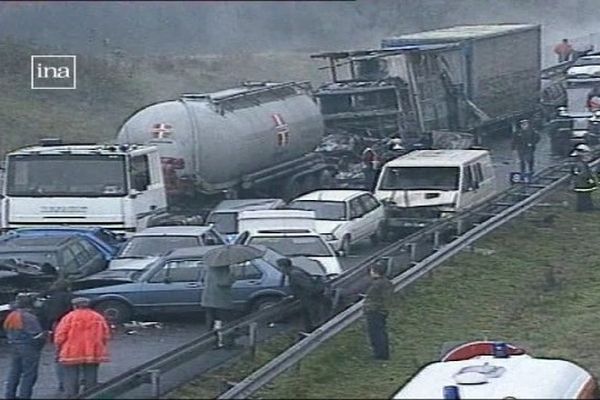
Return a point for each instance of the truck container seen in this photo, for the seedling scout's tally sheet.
(498, 64)
(257, 136)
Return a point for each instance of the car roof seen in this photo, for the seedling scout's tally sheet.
(186, 252)
(35, 243)
(246, 204)
(175, 230)
(331, 195)
(436, 158)
(66, 229)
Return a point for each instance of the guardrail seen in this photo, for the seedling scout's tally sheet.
(296, 353)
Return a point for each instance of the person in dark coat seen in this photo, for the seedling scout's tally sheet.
(524, 142)
(25, 339)
(56, 305)
(585, 182)
(376, 309)
(309, 290)
(217, 298)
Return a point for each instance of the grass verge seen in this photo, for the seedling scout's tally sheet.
(538, 288)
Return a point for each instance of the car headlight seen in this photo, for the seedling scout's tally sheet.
(328, 236)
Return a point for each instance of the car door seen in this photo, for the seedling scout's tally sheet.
(468, 188)
(357, 211)
(249, 280)
(174, 287)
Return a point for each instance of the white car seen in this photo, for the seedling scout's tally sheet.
(344, 217)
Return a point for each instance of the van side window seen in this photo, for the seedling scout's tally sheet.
(478, 172)
(140, 173)
(468, 182)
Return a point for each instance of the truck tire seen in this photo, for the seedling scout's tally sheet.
(114, 311)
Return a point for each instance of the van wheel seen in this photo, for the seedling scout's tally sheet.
(264, 302)
(114, 311)
(345, 246)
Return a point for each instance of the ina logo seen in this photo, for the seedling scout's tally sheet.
(53, 72)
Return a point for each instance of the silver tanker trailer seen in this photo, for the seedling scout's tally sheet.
(257, 138)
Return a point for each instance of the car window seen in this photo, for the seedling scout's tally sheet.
(225, 222)
(309, 246)
(179, 271)
(81, 255)
(92, 251)
(69, 262)
(478, 172)
(247, 270)
(328, 210)
(211, 239)
(108, 237)
(148, 246)
(356, 208)
(140, 173)
(369, 203)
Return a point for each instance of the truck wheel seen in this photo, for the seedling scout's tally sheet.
(114, 311)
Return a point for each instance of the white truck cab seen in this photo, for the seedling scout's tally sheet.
(114, 186)
(289, 232)
(429, 184)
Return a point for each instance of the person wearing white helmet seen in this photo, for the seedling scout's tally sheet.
(585, 181)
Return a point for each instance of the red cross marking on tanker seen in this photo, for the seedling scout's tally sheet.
(161, 131)
(282, 129)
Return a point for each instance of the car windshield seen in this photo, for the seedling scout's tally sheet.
(225, 222)
(420, 178)
(327, 210)
(66, 175)
(309, 246)
(149, 246)
(38, 257)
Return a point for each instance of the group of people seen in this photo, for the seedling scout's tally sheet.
(80, 336)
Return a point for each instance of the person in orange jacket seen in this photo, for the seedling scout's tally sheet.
(81, 338)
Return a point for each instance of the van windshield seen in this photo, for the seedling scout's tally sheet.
(420, 178)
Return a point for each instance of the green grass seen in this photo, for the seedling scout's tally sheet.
(539, 289)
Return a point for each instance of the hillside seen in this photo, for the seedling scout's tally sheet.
(109, 89)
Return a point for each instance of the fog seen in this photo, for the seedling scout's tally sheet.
(161, 28)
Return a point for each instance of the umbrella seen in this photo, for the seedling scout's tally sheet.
(231, 254)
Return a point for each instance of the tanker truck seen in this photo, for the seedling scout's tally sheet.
(257, 140)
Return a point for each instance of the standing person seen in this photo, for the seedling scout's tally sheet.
(585, 181)
(563, 50)
(524, 143)
(217, 298)
(309, 290)
(26, 340)
(82, 339)
(56, 306)
(376, 308)
(370, 162)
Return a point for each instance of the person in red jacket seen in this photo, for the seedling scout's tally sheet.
(81, 338)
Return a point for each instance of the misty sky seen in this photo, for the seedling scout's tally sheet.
(223, 27)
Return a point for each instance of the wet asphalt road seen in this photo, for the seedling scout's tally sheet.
(129, 350)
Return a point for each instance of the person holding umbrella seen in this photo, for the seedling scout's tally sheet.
(217, 297)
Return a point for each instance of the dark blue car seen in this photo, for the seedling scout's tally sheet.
(102, 239)
(174, 282)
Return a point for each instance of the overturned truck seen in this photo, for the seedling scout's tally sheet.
(475, 78)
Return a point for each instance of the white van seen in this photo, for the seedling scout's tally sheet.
(488, 370)
(288, 232)
(429, 184)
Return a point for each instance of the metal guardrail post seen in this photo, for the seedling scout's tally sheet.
(436, 240)
(252, 338)
(413, 252)
(155, 382)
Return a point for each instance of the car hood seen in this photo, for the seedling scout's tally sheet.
(331, 265)
(418, 198)
(106, 278)
(326, 226)
(130, 263)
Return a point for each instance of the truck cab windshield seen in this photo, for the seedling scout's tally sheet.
(420, 178)
(66, 175)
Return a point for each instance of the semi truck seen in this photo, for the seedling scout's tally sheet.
(471, 78)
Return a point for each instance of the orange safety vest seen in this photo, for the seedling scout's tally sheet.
(81, 338)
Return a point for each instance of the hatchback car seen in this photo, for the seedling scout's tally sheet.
(174, 283)
(344, 217)
(67, 256)
(147, 245)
